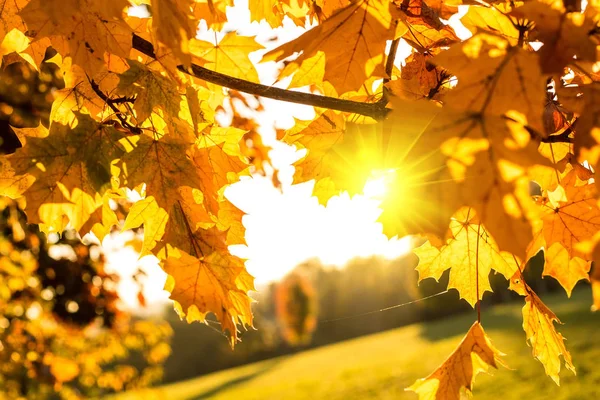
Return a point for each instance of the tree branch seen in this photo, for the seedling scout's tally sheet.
(389, 69)
(374, 110)
(562, 138)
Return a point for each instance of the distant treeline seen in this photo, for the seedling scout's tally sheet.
(362, 286)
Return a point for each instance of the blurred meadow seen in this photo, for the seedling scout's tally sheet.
(381, 365)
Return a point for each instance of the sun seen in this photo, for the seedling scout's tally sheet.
(380, 184)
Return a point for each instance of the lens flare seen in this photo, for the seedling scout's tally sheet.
(379, 184)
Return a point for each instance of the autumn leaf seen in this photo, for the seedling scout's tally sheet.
(229, 55)
(482, 142)
(493, 19)
(574, 219)
(163, 164)
(151, 90)
(474, 354)
(364, 26)
(424, 28)
(546, 343)
(69, 159)
(216, 169)
(266, 10)
(583, 100)
(82, 29)
(9, 16)
(174, 25)
(210, 283)
(154, 219)
(470, 255)
(565, 36)
(495, 78)
(566, 269)
(212, 11)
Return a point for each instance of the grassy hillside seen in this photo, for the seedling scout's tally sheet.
(380, 366)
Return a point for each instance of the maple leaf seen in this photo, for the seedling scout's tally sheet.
(83, 29)
(572, 219)
(564, 35)
(364, 26)
(473, 355)
(150, 89)
(487, 151)
(229, 55)
(495, 78)
(424, 27)
(212, 11)
(174, 25)
(69, 158)
(470, 255)
(216, 169)
(163, 164)
(546, 343)
(575, 218)
(9, 16)
(493, 19)
(566, 269)
(583, 100)
(154, 219)
(430, 77)
(268, 10)
(210, 283)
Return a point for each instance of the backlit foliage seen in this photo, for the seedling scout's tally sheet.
(487, 145)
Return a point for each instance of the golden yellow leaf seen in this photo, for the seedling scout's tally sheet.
(151, 90)
(83, 29)
(566, 269)
(584, 100)
(364, 26)
(229, 55)
(494, 78)
(474, 354)
(154, 219)
(492, 19)
(216, 169)
(424, 28)
(174, 25)
(212, 11)
(77, 157)
(470, 255)
(565, 35)
(14, 41)
(484, 147)
(9, 16)
(310, 72)
(547, 344)
(214, 282)
(268, 10)
(574, 220)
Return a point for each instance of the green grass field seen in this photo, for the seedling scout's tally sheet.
(380, 366)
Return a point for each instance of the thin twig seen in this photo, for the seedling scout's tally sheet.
(374, 110)
(133, 129)
(389, 69)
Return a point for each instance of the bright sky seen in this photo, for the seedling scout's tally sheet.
(287, 226)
